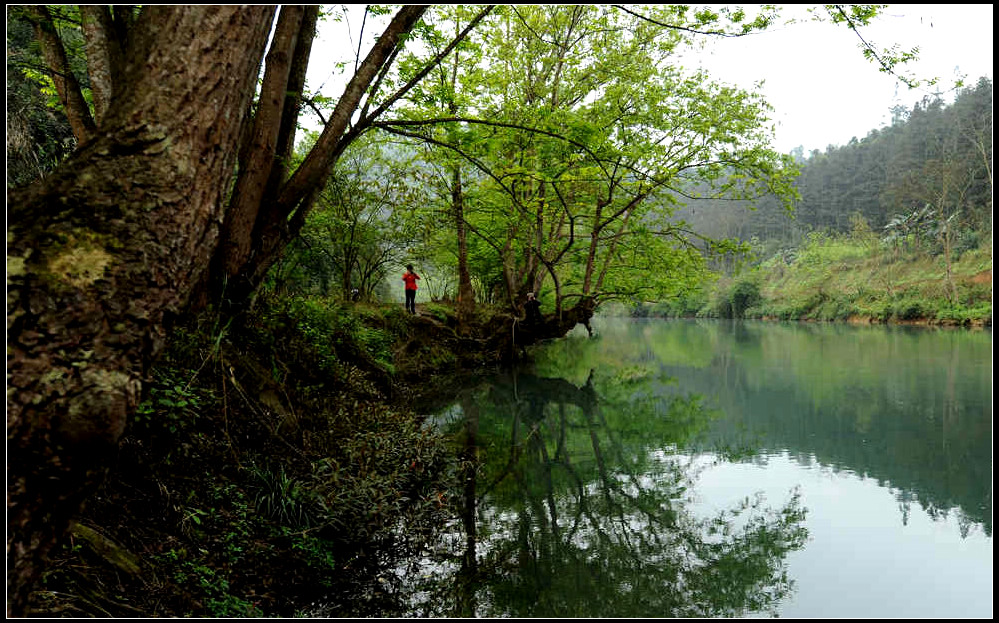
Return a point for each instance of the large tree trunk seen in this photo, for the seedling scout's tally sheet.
(280, 218)
(509, 336)
(105, 251)
(111, 247)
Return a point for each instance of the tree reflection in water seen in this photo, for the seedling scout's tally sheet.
(574, 505)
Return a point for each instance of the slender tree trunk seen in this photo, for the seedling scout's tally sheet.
(466, 295)
(104, 56)
(591, 254)
(66, 84)
(255, 171)
(105, 251)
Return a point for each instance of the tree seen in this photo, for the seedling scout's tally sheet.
(109, 249)
(38, 138)
(580, 130)
(103, 250)
(360, 226)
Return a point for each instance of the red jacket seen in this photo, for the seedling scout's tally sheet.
(410, 279)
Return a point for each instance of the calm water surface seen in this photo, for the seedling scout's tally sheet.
(693, 468)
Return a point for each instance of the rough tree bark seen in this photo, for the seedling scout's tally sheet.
(104, 251)
(107, 250)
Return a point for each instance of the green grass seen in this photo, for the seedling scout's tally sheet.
(853, 277)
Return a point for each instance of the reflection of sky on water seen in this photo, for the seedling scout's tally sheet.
(861, 561)
(445, 418)
(881, 432)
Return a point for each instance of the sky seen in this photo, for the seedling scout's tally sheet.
(825, 92)
(822, 89)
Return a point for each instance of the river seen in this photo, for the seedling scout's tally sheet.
(723, 469)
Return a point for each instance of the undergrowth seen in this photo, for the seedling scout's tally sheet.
(274, 462)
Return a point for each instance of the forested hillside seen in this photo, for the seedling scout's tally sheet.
(936, 154)
(896, 227)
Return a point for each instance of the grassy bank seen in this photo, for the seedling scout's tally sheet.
(853, 278)
(277, 466)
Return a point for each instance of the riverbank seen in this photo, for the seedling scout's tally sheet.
(851, 278)
(276, 464)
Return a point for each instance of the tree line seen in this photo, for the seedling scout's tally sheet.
(930, 169)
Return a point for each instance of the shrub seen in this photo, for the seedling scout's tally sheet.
(744, 294)
(908, 309)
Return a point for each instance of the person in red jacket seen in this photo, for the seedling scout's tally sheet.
(410, 278)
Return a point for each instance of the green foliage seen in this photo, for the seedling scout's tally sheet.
(921, 158)
(38, 136)
(744, 294)
(579, 124)
(912, 230)
(839, 277)
(362, 227)
(732, 298)
(252, 515)
(964, 315)
(329, 327)
(212, 585)
(442, 313)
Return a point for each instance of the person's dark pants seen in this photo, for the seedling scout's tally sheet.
(411, 301)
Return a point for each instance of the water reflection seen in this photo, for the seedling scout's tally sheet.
(575, 503)
(906, 406)
(581, 476)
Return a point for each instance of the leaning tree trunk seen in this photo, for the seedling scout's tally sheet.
(509, 336)
(274, 218)
(102, 253)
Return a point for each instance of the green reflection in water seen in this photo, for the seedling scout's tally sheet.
(909, 407)
(579, 470)
(575, 504)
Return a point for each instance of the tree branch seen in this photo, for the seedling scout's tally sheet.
(428, 67)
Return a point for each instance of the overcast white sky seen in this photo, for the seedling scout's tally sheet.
(824, 92)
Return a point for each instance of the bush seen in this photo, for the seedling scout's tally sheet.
(744, 294)
(908, 309)
(966, 240)
(962, 315)
(731, 299)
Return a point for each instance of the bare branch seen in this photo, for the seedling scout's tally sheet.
(434, 62)
(715, 33)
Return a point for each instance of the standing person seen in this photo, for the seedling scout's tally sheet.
(533, 308)
(410, 278)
